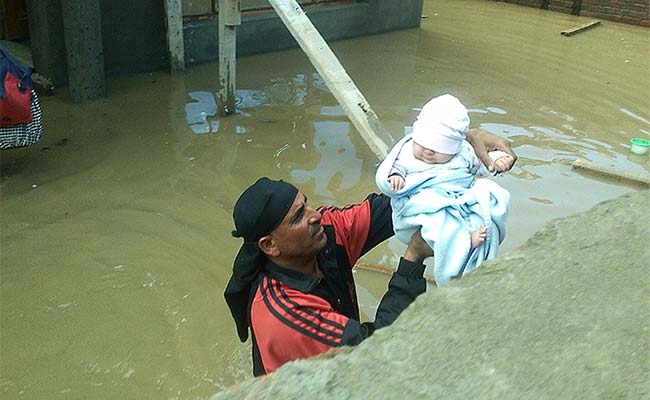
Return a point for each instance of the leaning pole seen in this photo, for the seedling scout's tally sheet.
(320, 55)
(339, 82)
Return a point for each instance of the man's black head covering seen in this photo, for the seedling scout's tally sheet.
(258, 211)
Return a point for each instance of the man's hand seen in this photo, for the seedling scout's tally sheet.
(417, 249)
(484, 142)
(396, 183)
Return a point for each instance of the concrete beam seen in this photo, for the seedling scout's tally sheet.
(229, 18)
(231, 12)
(174, 14)
(83, 42)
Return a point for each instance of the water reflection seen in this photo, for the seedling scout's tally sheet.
(496, 110)
(339, 168)
(197, 113)
(633, 115)
(201, 114)
(332, 111)
(563, 143)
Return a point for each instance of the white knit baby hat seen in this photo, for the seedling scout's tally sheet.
(441, 125)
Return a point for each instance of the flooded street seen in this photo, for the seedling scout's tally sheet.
(115, 227)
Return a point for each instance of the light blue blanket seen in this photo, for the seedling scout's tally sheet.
(448, 204)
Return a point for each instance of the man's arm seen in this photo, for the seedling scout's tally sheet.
(483, 142)
(406, 284)
(360, 227)
(381, 221)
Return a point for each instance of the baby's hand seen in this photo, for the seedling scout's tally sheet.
(501, 161)
(396, 183)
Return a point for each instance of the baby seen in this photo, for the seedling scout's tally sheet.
(430, 177)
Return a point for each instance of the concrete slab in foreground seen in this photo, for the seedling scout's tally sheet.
(566, 316)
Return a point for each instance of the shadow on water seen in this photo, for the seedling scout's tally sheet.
(116, 245)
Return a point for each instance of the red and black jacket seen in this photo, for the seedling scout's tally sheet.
(294, 316)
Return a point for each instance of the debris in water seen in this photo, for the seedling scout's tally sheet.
(577, 29)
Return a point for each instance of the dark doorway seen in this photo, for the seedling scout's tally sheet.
(15, 26)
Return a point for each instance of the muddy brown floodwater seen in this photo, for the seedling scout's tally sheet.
(115, 235)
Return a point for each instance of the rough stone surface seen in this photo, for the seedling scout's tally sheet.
(566, 316)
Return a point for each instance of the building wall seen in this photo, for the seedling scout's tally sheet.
(207, 7)
(565, 6)
(265, 32)
(634, 12)
(2, 22)
(134, 32)
(47, 39)
(134, 36)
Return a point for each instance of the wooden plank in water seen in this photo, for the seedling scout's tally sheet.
(577, 29)
(611, 172)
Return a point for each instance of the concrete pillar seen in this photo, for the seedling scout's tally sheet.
(229, 18)
(83, 42)
(46, 39)
(174, 14)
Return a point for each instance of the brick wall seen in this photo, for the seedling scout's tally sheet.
(565, 6)
(635, 12)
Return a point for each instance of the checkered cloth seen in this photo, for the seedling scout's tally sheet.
(26, 134)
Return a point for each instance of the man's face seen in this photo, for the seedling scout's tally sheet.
(300, 233)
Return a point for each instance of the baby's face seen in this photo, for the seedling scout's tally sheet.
(429, 156)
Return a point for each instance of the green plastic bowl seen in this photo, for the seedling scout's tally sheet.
(639, 146)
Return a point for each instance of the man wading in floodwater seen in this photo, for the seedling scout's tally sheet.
(292, 281)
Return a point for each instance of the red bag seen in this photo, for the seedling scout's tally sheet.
(15, 107)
